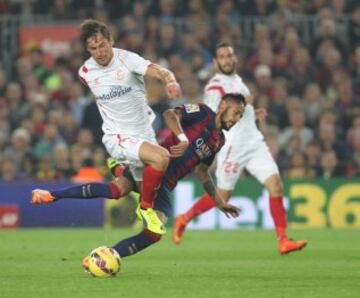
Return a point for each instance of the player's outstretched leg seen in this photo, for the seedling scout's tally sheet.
(289, 245)
(84, 191)
(179, 229)
(151, 220)
(114, 166)
(278, 213)
(41, 196)
(85, 263)
(134, 244)
(203, 204)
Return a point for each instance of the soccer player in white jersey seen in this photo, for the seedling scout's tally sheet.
(244, 148)
(116, 79)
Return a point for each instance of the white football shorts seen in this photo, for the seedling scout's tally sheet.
(258, 161)
(125, 149)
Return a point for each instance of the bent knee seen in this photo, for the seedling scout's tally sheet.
(161, 159)
(275, 186)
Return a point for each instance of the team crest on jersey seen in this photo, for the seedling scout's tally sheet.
(191, 108)
(120, 75)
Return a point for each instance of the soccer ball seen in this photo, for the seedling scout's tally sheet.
(102, 262)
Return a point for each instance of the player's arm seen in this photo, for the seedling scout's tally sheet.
(172, 118)
(249, 99)
(172, 87)
(202, 172)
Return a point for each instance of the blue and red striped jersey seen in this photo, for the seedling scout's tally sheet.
(198, 123)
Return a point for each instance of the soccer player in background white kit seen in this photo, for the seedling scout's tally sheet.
(244, 148)
(116, 79)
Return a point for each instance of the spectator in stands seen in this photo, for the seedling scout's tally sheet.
(301, 70)
(46, 170)
(332, 65)
(8, 172)
(312, 157)
(3, 83)
(5, 127)
(19, 147)
(87, 173)
(69, 128)
(347, 104)
(327, 33)
(297, 128)
(329, 142)
(297, 167)
(15, 101)
(63, 169)
(48, 141)
(313, 103)
(262, 74)
(85, 143)
(354, 28)
(329, 166)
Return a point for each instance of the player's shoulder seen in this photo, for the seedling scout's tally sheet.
(216, 79)
(219, 80)
(125, 56)
(88, 68)
(228, 78)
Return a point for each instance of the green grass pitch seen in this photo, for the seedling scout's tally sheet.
(241, 263)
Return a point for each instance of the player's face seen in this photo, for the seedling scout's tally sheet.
(232, 114)
(100, 48)
(225, 60)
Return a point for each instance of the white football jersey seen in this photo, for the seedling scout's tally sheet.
(244, 134)
(120, 93)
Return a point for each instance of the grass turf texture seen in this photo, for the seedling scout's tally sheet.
(241, 263)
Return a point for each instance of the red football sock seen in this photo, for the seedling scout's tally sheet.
(150, 186)
(117, 171)
(278, 214)
(115, 190)
(202, 205)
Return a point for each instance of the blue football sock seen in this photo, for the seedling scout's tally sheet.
(84, 191)
(134, 244)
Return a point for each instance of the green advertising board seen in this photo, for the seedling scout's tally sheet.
(310, 203)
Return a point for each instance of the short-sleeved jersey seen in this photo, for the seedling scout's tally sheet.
(120, 93)
(198, 123)
(245, 133)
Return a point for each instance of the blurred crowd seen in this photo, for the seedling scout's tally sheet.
(50, 128)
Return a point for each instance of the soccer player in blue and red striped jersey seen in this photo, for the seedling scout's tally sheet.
(195, 139)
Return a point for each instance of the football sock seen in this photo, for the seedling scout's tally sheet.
(88, 191)
(134, 244)
(150, 186)
(278, 214)
(202, 205)
(117, 171)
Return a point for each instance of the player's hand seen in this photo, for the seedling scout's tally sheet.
(261, 114)
(229, 210)
(178, 149)
(249, 99)
(173, 90)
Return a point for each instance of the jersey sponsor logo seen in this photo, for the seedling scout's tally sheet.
(202, 149)
(191, 108)
(116, 91)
